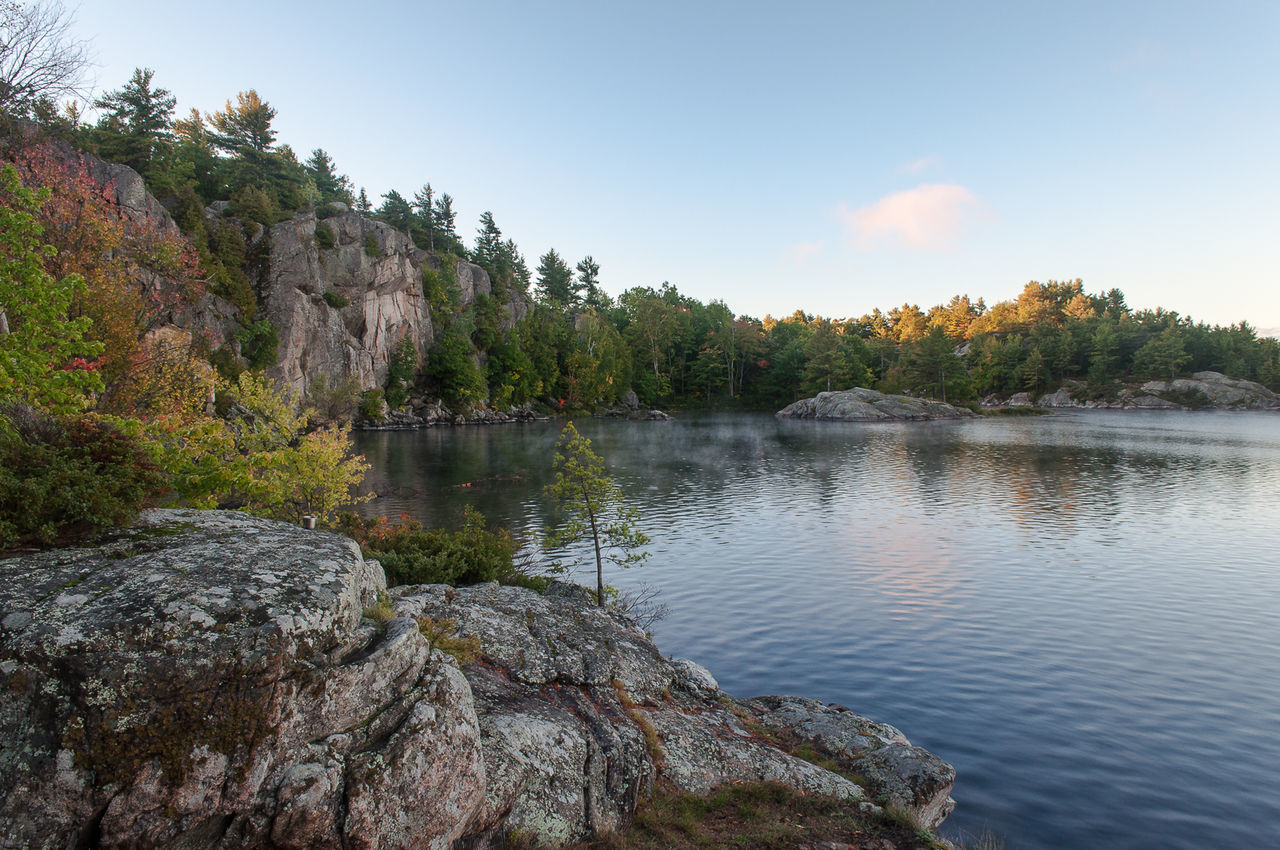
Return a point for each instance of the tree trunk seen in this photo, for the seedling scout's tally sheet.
(595, 538)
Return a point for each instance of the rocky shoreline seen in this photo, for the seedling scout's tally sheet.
(215, 680)
(1202, 391)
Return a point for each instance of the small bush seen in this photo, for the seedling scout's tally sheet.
(68, 479)
(412, 555)
(442, 632)
(258, 343)
(335, 300)
(371, 245)
(400, 372)
(324, 237)
(372, 406)
(332, 399)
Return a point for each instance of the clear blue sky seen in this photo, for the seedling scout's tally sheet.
(831, 157)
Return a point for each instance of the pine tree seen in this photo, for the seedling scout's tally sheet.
(424, 207)
(396, 211)
(446, 227)
(587, 289)
(555, 279)
(592, 507)
(136, 121)
(331, 185)
(245, 126)
(488, 248)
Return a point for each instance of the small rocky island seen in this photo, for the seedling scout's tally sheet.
(214, 680)
(863, 405)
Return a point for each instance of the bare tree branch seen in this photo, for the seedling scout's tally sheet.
(39, 57)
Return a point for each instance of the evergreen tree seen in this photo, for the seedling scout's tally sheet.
(396, 211)
(555, 279)
(592, 508)
(330, 185)
(362, 202)
(425, 214)
(135, 123)
(587, 288)
(488, 250)
(245, 126)
(444, 218)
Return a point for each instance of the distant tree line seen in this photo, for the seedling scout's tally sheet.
(579, 348)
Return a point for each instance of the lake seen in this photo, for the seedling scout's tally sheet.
(1081, 611)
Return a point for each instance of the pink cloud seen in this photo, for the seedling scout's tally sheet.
(802, 251)
(924, 163)
(928, 217)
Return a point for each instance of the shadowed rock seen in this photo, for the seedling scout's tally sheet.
(863, 405)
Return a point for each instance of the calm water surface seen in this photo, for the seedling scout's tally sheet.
(1080, 612)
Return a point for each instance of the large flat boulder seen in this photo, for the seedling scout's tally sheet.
(863, 405)
(207, 681)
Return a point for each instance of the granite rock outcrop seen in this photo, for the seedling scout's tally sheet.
(863, 405)
(211, 680)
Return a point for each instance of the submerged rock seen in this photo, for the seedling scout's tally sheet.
(210, 682)
(863, 405)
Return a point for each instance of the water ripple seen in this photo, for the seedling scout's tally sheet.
(1080, 611)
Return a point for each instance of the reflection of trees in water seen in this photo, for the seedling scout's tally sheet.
(1057, 477)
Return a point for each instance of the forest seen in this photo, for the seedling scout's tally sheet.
(90, 297)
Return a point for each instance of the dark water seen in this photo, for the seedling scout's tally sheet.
(1080, 612)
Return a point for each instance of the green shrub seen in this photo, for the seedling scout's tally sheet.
(442, 633)
(258, 343)
(252, 203)
(412, 555)
(324, 236)
(453, 372)
(371, 245)
(67, 479)
(371, 405)
(335, 300)
(400, 372)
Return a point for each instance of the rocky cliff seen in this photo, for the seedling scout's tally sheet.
(863, 405)
(341, 303)
(371, 270)
(209, 681)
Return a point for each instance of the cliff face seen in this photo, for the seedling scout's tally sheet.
(377, 271)
(374, 268)
(210, 682)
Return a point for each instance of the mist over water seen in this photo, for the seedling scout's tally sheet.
(1080, 612)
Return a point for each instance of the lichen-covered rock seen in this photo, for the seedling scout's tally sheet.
(863, 405)
(902, 775)
(207, 680)
(580, 713)
(1213, 389)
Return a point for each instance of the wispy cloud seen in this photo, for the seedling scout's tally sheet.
(802, 251)
(928, 217)
(916, 166)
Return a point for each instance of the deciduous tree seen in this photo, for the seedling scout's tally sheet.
(39, 58)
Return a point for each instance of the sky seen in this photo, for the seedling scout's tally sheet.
(830, 157)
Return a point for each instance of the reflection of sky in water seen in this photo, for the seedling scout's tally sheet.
(1080, 611)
